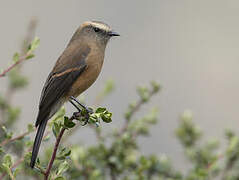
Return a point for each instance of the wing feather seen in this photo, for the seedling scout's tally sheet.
(59, 82)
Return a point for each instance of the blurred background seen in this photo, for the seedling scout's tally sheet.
(190, 47)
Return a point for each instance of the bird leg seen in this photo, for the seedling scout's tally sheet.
(75, 114)
(88, 110)
(75, 105)
(82, 105)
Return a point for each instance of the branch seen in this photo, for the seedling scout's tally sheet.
(14, 139)
(135, 109)
(28, 150)
(21, 59)
(16, 164)
(53, 156)
(26, 49)
(54, 153)
(77, 116)
(107, 90)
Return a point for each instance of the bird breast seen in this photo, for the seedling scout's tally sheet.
(88, 76)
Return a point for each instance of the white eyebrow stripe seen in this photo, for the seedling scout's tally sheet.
(100, 26)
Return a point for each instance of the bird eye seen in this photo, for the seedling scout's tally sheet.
(96, 29)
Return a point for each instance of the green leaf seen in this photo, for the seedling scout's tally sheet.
(7, 169)
(78, 152)
(38, 161)
(60, 178)
(100, 110)
(59, 116)
(155, 86)
(143, 93)
(68, 123)
(27, 157)
(187, 132)
(29, 143)
(93, 118)
(233, 145)
(30, 56)
(56, 129)
(4, 129)
(15, 57)
(30, 128)
(63, 167)
(7, 159)
(3, 103)
(35, 43)
(68, 153)
(16, 171)
(106, 117)
(62, 155)
(8, 135)
(16, 79)
(229, 133)
(13, 114)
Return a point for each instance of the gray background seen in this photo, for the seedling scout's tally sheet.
(189, 46)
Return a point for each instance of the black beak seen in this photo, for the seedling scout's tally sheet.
(112, 33)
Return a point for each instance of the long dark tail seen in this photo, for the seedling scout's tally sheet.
(37, 142)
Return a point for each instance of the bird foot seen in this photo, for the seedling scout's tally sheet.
(87, 115)
(79, 113)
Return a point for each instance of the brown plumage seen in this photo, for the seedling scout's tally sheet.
(75, 71)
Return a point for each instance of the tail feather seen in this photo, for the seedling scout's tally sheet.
(37, 142)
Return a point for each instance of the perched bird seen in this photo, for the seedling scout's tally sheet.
(75, 70)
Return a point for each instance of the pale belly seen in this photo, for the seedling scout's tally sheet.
(84, 81)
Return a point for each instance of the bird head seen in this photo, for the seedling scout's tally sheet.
(94, 32)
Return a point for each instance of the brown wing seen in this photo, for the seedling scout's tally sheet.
(67, 69)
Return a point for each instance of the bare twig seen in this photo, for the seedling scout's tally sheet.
(31, 30)
(20, 137)
(24, 48)
(134, 110)
(15, 138)
(27, 40)
(53, 156)
(47, 173)
(25, 43)
(21, 59)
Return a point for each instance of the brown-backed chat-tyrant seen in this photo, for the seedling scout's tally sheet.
(75, 70)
